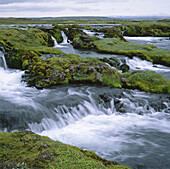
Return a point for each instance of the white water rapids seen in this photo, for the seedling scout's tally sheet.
(126, 126)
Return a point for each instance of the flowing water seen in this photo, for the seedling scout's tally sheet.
(126, 126)
(160, 42)
(134, 64)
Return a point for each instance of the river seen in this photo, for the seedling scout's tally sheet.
(127, 126)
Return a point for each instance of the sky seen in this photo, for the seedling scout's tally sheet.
(57, 8)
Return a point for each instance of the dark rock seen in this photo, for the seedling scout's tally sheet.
(100, 68)
(105, 98)
(124, 68)
(85, 38)
(111, 61)
(39, 85)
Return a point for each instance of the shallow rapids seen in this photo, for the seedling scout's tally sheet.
(127, 126)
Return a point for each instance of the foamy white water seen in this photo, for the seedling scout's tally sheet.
(56, 45)
(129, 127)
(90, 33)
(65, 38)
(137, 63)
(146, 38)
(160, 42)
(2, 60)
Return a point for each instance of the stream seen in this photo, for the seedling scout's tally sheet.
(127, 126)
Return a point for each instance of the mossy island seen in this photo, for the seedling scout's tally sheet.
(32, 50)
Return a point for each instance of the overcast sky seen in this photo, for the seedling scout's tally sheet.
(54, 8)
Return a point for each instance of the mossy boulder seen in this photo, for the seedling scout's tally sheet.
(71, 69)
(24, 149)
(111, 61)
(80, 39)
(147, 81)
(83, 42)
(124, 68)
(74, 33)
(114, 32)
(55, 32)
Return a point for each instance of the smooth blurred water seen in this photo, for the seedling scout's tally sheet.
(134, 64)
(127, 126)
(160, 42)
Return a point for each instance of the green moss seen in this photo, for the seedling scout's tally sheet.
(146, 52)
(114, 32)
(74, 33)
(148, 81)
(30, 150)
(22, 44)
(148, 30)
(55, 32)
(111, 78)
(24, 48)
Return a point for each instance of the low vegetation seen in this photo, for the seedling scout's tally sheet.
(145, 52)
(46, 66)
(24, 149)
(147, 81)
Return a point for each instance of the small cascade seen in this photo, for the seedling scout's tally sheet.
(138, 64)
(65, 38)
(55, 42)
(2, 60)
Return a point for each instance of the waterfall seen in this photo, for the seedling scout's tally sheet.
(2, 60)
(65, 39)
(55, 42)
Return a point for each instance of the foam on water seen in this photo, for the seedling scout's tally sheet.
(127, 126)
(136, 63)
(146, 38)
(65, 38)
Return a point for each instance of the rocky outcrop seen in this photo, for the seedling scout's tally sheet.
(83, 42)
(114, 32)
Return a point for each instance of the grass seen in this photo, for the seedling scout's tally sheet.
(147, 52)
(31, 39)
(24, 48)
(148, 81)
(82, 20)
(28, 150)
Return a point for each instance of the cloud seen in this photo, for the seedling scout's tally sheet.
(57, 1)
(21, 8)
(17, 1)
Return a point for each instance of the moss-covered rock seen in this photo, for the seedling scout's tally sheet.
(61, 68)
(145, 52)
(111, 61)
(147, 81)
(71, 69)
(83, 42)
(74, 33)
(24, 149)
(55, 32)
(148, 30)
(114, 32)
(23, 47)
